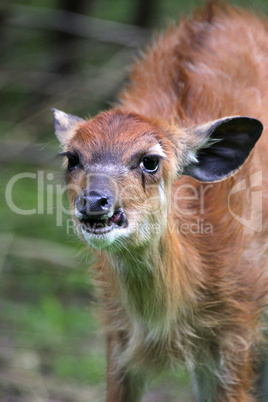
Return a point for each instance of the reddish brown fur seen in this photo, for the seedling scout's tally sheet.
(209, 290)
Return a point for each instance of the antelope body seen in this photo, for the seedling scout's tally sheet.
(172, 189)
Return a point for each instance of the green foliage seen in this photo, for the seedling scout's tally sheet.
(89, 368)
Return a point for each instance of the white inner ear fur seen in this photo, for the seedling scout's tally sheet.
(191, 157)
(201, 133)
(65, 126)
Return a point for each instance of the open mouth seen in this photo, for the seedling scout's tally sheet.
(100, 226)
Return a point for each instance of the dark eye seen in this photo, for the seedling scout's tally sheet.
(73, 161)
(150, 164)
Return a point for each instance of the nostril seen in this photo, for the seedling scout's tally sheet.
(81, 204)
(104, 202)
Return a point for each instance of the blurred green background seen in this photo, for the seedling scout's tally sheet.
(72, 55)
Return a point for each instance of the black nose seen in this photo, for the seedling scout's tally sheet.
(94, 204)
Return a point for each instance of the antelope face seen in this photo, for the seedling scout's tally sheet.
(119, 169)
(116, 169)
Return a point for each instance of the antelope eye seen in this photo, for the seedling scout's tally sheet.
(150, 164)
(73, 161)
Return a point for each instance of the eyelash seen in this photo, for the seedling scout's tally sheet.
(73, 160)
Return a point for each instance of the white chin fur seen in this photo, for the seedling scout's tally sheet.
(138, 232)
(104, 241)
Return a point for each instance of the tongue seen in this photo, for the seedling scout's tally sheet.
(119, 217)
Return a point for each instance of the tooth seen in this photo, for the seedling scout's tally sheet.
(122, 219)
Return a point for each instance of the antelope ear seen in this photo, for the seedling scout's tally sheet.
(65, 125)
(221, 147)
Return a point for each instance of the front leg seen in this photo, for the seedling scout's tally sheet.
(232, 383)
(122, 384)
(204, 385)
